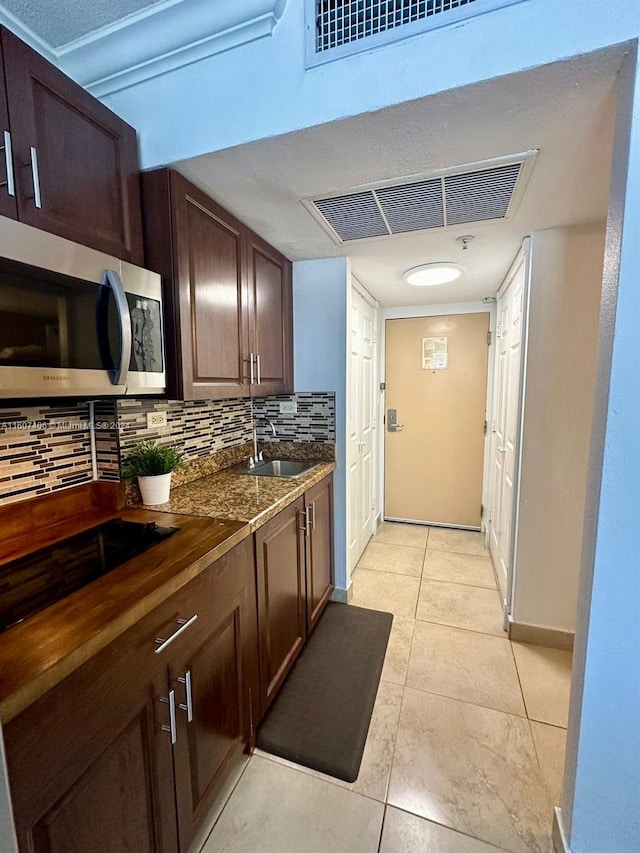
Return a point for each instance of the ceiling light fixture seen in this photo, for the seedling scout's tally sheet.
(427, 275)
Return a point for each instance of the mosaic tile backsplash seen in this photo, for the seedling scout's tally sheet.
(44, 449)
(315, 419)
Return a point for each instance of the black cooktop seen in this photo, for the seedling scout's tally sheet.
(35, 581)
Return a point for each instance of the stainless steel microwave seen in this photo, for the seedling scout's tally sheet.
(74, 321)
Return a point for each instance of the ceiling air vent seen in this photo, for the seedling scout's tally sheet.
(339, 22)
(476, 193)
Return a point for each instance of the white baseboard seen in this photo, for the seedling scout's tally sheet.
(343, 596)
(558, 834)
(538, 635)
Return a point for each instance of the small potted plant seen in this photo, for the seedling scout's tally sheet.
(152, 464)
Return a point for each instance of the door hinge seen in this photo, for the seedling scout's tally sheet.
(481, 511)
(373, 504)
(488, 339)
(498, 332)
(485, 427)
(490, 515)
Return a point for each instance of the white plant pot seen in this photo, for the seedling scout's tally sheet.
(155, 490)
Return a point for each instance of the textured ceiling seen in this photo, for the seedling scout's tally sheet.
(58, 22)
(565, 110)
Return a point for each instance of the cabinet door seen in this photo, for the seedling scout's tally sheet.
(210, 285)
(281, 587)
(8, 205)
(85, 166)
(319, 549)
(90, 766)
(216, 684)
(271, 314)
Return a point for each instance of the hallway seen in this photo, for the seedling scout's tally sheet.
(467, 733)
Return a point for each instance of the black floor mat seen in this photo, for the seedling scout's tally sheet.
(321, 716)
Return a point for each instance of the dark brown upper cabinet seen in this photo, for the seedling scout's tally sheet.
(73, 167)
(228, 295)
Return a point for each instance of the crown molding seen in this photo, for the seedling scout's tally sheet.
(156, 40)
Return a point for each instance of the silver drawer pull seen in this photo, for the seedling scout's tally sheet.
(35, 173)
(313, 515)
(303, 527)
(8, 157)
(252, 374)
(171, 702)
(184, 624)
(258, 367)
(186, 680)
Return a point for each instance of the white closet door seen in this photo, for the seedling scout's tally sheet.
(505, 423)
(361, 425)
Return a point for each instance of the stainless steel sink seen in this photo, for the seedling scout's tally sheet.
(274, 468)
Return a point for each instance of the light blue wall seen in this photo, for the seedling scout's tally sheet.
(605, 816)
(261, 89)
(320, 290)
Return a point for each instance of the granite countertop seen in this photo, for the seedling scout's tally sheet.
(242, 497)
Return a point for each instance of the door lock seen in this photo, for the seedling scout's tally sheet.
(392, 421)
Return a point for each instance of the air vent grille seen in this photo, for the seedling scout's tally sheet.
(480, 195)
(353, 216)
(453, 199)
(340, 22)
(412, 207)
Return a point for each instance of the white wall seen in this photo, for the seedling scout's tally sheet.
(320, 295)
(566, 281)
(262, 89)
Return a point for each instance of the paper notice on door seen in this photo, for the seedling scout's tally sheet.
(435, 354)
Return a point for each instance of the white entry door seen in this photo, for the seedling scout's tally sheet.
(505, 422)
(361, 425)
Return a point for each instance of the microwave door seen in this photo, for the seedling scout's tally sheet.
(147, 371)
(113, 323)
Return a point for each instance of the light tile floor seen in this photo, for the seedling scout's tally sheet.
(466, 743)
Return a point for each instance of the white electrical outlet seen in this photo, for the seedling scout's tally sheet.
(156, 419)
(288, 407)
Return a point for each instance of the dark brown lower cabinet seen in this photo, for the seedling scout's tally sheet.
(319, 549)
(281, 597)
(96, 765)
(294, 571)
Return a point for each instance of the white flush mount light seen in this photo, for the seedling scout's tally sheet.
(427, 275)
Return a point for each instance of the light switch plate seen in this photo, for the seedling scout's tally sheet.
(156, 419)
(288, 407)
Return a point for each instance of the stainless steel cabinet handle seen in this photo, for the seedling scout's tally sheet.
(186, 680)
(119, 375)
(259, 376)
(35, 173)
(10, 183)
(304, 527)
(252, 375)
(171, 702)
(313, 515)
(184, 624)
(307, 515)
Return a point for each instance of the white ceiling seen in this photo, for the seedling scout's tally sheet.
(58, 22)
(565, 110)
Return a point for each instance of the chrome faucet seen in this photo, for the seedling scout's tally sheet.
(257, 456)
